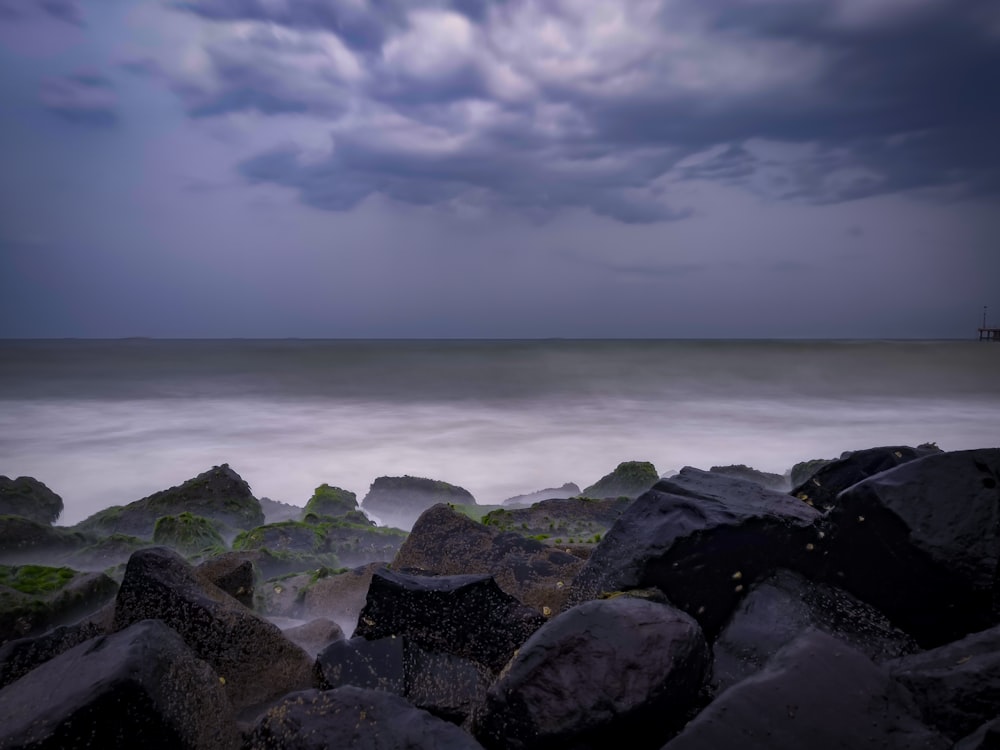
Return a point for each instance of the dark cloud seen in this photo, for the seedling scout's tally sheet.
(83, 98)
(62, 10)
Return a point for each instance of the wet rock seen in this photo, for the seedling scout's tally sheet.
(956, 686)
(445, 542)
(29, 498)
(702, 539)
(629, 479)
(399, 501)
(276, 511)
(772, 481)
(465, 615)
(578, 520)
(374, 664)
(921, 543)
(23, 540)
(782, 606)
(596, 673)
(550, 493)
(315, 635)
(233, 573)
(817, 692)
(141, 687)
(987, 737)
(20, 656)
(830, 478)
(188, 534)
(253, 657)
(356, 718)
(106, 552)
(331, 501)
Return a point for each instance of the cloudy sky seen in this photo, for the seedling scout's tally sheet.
(499, 168)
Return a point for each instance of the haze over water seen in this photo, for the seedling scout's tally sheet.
(107, 422)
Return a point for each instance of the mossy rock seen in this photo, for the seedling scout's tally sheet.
(29, 498)
(805, 469)
(330, 542)
(577, 520)
(24, 540)
(106, 552)
(189, 534)
(35, 580)
(629, 479)
(331, 501)
(779, 482)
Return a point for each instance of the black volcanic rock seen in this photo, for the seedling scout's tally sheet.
(595, 674)
(702, 539)
(20, 656)
(465, 615)
(399, 501)
(29, 498)
(140, 688)
(764, 478)
(921, 543)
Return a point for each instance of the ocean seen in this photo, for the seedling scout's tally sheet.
(108, 422)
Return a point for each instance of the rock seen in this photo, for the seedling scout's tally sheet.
(275, 511)
(987, 737)
(315, 635)
(19, 657)
(465, 615)
(339, 596)
(579, 520)
(822, 487)
(23, 540)
(34, 598)
(253, 657)
(629, 479)
(817, 692)
(956, 686)
(141, 687)
(801, 471)
(783, 605)
(921, 543)
(233, 573)
(331, 501)
(399, 501)
(374, 664)
(767, 479)
(446, 542)
(188, 534)
(356, 718)
(550, 493)
(29, 498)
(702, 539)
(219, 494)
(594, 674)
(106, 552)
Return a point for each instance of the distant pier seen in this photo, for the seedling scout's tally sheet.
(989, 334)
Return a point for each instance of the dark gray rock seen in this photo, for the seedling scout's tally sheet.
(19, 657)
(596, 673)
(549, 493)
(256, 661)
(399, 501)
(29, 498)
(817, 692)
(921, 543)
(356, 718)
(629, 479)
(233, 573)
(23, 540)
(469, 616)
(779, 482)
(377, 664)
(315, 635)
(276, 511)
(141, 687)
(702, 539)
(782, 606)
(331, 501)
(987, 737)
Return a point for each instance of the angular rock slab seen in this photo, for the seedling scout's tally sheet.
(139, 688)
(783, 605)
(469, 616)
(19, 657)
(921, 543)
(256, 661)
(601, 670)
(351, 717)
(701, 538)
(816, 693)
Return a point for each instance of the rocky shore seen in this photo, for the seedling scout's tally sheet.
(851, 603)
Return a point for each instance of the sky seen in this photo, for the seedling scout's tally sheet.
(499, 168)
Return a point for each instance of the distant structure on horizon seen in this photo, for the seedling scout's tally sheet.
(986, 333)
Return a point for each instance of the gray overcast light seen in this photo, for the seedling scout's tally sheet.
(499, 168)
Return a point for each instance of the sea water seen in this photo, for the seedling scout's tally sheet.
(108, 422)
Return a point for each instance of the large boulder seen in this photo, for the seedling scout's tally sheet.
(188, 534)
(921, 543)
(219, 494)
(702, 539)
(233, 573)
(549, 493)
(29, 498)
(629, 479)
(141, 687)
(337, 595)
(779, 608)
(399, 501)
(596, 673)
(445, 542)
(331, 501)
(357, 718)
(275, 511)
(572, 521)
(465, 615)
(20, 656)
(256, 661)
(315, 635)
(23, 540)
(817, 692)
(768, 479)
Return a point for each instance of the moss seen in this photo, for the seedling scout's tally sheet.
(35, 580)
(331, 501)
(630, 478)
(188, 534)
(475, 511)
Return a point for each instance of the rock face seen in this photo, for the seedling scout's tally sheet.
(331, 501)
(816, 692)
(356, 718)
(257, 662)
(232, 573)
(629, 479)
(569, 520)
(219, 494)
(29, 498)
(141, 687)
(466, 615)
(549, 493)
(600, 671)
(23, 540)
(445, 542)
(702, 539)
(921, 542)
(399, 501)
(19, 657)
(767, 479)
(780, 607)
